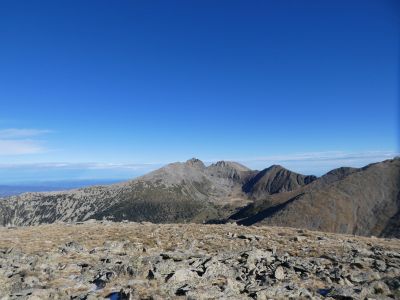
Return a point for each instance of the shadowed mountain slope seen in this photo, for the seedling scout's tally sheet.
(275, 179)
(358, 201)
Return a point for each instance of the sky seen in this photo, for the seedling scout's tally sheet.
(114, 89)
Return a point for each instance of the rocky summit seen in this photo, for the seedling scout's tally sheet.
(107, 260)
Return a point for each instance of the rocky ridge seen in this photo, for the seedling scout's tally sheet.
(364, 201)
(101, 259)
(178, 192)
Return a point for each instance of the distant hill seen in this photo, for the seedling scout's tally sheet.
(363, 201)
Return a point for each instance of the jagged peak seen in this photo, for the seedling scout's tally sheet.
(195, 162)
(221, 163)
(229, 164)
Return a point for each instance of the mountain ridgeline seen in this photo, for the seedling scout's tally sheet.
(363, 201)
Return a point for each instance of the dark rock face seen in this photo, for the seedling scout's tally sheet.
(194, 162)
(392, 227)
(275, 179)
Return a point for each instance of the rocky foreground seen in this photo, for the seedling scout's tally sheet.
(95, 259)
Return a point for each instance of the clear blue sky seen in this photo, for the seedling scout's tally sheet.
(138, 82)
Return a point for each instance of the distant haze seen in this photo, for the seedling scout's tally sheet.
(42, 174)
(17, 188)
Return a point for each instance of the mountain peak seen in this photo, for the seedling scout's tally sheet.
(276, 167)
(228, 169)
(195, 162)
(276, 179)
(230, 165)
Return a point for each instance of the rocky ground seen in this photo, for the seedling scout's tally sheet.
(95, 259)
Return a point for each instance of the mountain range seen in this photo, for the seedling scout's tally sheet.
(361, 201)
